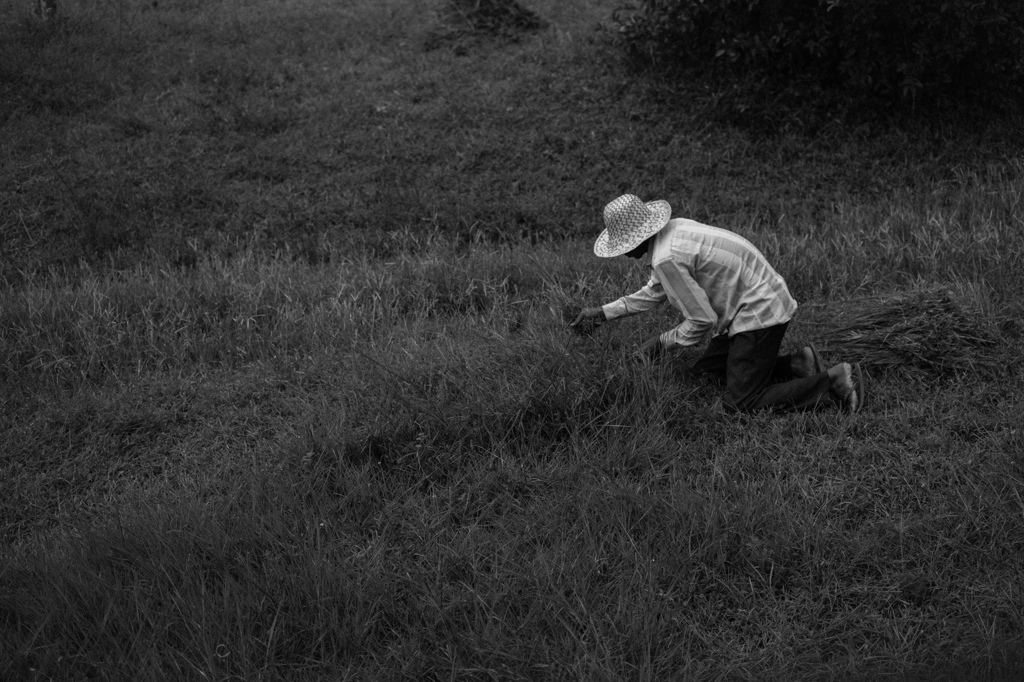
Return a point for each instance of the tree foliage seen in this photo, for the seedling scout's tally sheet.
(910, 51)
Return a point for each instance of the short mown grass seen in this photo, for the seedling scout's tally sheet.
(287, 392)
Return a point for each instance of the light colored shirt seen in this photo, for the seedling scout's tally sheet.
(718, 280)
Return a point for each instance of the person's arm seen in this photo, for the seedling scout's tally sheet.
(686, 295)
(650, 296)
(646, 298)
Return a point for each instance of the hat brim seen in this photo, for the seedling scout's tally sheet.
(662, 213)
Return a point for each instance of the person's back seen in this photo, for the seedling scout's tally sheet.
(743, 289)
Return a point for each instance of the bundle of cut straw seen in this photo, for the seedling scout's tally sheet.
(926, 329)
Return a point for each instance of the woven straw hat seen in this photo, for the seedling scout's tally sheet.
(628, 221)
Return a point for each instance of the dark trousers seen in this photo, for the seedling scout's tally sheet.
(756, 377)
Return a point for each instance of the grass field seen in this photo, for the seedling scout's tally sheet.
(285, 389)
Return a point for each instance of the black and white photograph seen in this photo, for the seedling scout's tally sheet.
(511, 340)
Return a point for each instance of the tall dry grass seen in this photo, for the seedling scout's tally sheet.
(423, 474)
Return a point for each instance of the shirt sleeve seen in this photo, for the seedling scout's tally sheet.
(649, 297)
(685, 294)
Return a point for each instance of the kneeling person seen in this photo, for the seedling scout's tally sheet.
(723, 285)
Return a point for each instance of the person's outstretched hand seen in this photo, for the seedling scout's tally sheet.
(587, 320)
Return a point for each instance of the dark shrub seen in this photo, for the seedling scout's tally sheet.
(909, 51)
